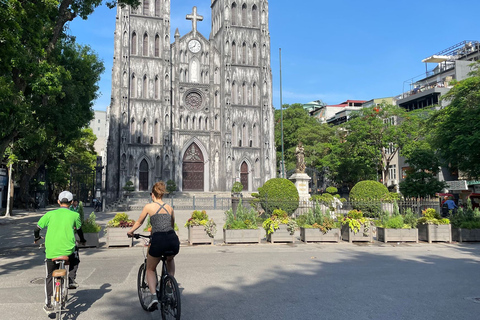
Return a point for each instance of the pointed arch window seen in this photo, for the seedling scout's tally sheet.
(234, 52)
(255, 54)
(244, 53)
(156, 87)
(234, 134)
(244, 94)
(156, 129)
(133, 87)
(132, 130)
(145, 45)
(145, 87)
(244, 15)
(145, 131)
(134, 43)
(254, 94)
(234, 14)
(157, 46)
(254, 16)
(234, 92)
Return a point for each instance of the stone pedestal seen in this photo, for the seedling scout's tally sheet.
(301, 182)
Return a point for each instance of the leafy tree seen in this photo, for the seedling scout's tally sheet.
(371, 139)
(456, 128)
(421, 180)
(318, 139)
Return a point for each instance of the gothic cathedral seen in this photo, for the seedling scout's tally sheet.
(196, 110)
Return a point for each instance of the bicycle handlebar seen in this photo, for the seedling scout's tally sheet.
(138, 235)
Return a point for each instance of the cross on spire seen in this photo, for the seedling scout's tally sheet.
(194, 17)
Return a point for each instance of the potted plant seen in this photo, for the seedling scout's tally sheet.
(236, 194)
(432, 227)
(201, 229)
(317, 226)
(116, 230)
(466, 224)
(241, 227)
(397, 228)
(355, 227)
(91, 230)
(280, 227)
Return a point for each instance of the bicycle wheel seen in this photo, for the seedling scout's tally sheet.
(170, 305)
(142, 286)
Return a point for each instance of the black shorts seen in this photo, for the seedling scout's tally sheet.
(164, 243)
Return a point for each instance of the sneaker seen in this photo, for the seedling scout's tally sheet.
(48, 308)
(72, 285)
(151, 302)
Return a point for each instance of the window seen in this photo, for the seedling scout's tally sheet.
(254, 16)
(157, 46)
(145, 45)
(157, 8)
(392, 171)
(146, 7)
(134, 43)
(234, 14)
(244, 14)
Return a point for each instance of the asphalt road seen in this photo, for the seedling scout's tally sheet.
(300, 281)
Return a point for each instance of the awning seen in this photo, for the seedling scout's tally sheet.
(437, 59)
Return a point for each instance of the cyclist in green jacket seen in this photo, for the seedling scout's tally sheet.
(59, 240)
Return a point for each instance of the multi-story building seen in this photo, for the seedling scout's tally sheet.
(198, 110)
(324, 112)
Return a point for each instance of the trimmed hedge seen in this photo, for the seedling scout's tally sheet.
(278, 193)
(367, 195)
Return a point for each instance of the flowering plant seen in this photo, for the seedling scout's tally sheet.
(242, 219)
(120, 220)
(200, 218)
(90, 225)
(279, 217)
(355, 219)
(431, 216)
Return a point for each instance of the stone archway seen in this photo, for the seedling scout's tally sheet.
(143, 176)
(193, 169)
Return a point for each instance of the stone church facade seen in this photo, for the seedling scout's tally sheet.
(196, 110)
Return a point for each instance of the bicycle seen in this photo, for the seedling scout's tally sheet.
(60, 286)
(170, 305)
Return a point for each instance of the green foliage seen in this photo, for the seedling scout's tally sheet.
(367, 197)
(200, 218)
(318, 139)
(431, 216)
(121, 220)
(332, 190)
(317, 218)
(455, 128)
(410, 219)
(421, 179)
(278, 193)
(242, 219)
(237, 187)
(128, 187)
(355, 219)
(171, 186)
(90, 225)
(279, 217)
(466, 218)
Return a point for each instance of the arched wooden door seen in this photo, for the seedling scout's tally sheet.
(143, 176)
(244, 175)
(193, 170)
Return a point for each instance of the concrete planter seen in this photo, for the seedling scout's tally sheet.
(348, 235)
(92, 240)
(397, 235)
(468, 235)
(433, 232)
(281, 235)
(315, 235)
(241, 236)
(118, 237)
(198, 235)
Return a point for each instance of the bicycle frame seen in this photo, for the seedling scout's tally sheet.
(60, 286)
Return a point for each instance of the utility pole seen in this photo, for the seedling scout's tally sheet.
(281, 114)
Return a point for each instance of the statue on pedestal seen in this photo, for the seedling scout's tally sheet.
(300, 153)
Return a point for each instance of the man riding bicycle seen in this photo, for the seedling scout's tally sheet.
(59, 241)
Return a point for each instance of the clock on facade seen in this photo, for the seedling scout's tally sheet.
(194, 46)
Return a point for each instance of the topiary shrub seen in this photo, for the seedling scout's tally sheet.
(278, 193)
(367, 196)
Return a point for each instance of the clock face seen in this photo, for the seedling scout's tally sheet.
(194, 46)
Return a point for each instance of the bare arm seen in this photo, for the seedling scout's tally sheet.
(139, 222)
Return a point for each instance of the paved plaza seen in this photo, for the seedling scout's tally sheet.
(261, 281)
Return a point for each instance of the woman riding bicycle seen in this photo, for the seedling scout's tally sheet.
(164, 239)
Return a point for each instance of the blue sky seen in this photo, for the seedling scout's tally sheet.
(331, 50)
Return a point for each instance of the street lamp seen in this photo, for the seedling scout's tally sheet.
(11, 189)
